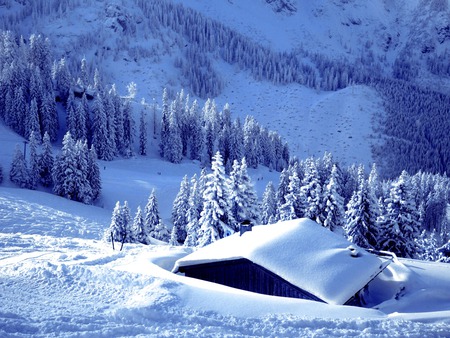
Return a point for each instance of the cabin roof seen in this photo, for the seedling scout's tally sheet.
(300, 251)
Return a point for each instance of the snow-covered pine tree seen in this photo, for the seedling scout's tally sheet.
(100, 130)
(269, 205)
(164, 123)
(192, 216)
(151, 218)
(72, 122)
(127, 223)
(427, 246)
(64, 169)
(137, 229)
(49, 117)
(62, 78)
(292, 207)
(128, 129)
(110, 122)
(180, 209)
(283, 188)
(19, 174)
(252, 144)
(33, 162)
(161, 232)
(197, 137)
(361, 215)
(32, 122)
(83, 190)
(216, 220)
(243, 200)
(143, 133)
(82, 116)
(93, 173)
(236, 145)
(121, 224)
(311, 191)
(400, 223)
(46, 161)
(173, 150)
(173, 240)
(333, 203)
(116, 231)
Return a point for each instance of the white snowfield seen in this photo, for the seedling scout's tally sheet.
(59, 279)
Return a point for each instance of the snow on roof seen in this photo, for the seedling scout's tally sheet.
(300, 251)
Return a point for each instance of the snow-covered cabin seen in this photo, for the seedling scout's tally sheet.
(297, 258)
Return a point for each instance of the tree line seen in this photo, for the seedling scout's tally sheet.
(406, 215)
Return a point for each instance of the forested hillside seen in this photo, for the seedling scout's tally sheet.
(72, 99)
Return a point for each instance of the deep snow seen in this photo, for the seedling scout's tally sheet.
(58, 278)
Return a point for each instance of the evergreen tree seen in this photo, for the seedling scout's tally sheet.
(143, 133)
(192, 216)
(311, 191)
(173, 240)
(180, 209)
(252, 145)
(128, 129)
(161, 232)
(32, 122)
(292, 207)
(117, 230)
(283, 188)
(100, 131)
(137, 229)
(72, 122)
(361, 227)
(400, 221)
(196, 133)
(121, 224)
(269, 205)
(83, 190)
(93, 174)
(215, 219)
(46, 161)
(151, 218)
(64, 169)
(19, 174)
(49, 119)
(82, 117)
(174, 147)
(333, 203)
(164, 123)
(33, 162)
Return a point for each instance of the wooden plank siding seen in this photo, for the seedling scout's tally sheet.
(246, 275)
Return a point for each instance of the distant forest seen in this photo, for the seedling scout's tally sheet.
(47, 100)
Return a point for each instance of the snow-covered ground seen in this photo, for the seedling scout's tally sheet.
(58, 278)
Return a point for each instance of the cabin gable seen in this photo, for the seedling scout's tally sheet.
(246, 275)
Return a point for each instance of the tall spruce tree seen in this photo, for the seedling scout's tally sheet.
(269, 205)
(180, 209)
(216, 220)
(400, 224)
(151, 218)
(33, 161)
(333, 203)
(361, 227)
(46, 161)
(19, 174)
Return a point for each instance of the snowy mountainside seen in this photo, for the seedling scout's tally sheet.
(117, 37)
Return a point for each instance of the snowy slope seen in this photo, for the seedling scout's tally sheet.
(57, 279)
